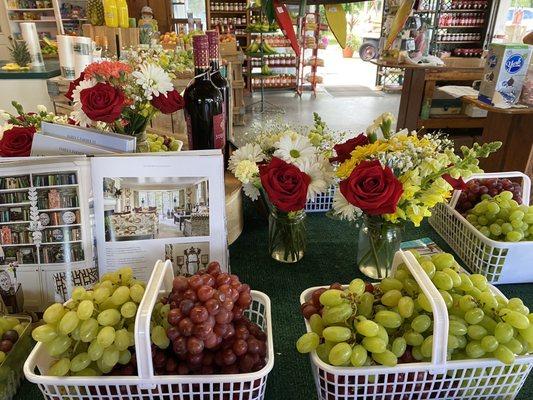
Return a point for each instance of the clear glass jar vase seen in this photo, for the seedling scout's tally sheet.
(287, 236)
(142, 144)
(378, 241)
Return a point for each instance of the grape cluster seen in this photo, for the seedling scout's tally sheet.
(502, 218)
(93, 331)
(10, 330)
(476, 188)
(158, 143)
(200, 328)
(393, 322)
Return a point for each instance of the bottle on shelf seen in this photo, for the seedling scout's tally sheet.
(111, 13)
(123, 15)
(204, 104)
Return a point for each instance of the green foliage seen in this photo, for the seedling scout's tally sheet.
(354, 42)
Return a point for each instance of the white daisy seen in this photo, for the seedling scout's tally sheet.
(153, 79)
(321, 175)
(294, 149)
(78, 114)
(250, 151)
(246, 170)
(251, 191)
(344, 209)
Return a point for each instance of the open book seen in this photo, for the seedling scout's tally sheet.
(65, 220)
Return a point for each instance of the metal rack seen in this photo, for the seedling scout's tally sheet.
(301, 83)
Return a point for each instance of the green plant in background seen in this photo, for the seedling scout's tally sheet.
(354, 42)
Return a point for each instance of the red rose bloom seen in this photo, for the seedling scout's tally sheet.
(372, 188)
(285, 185)
(73, 85)
(168, 103)
(343, 150)
(102, 102)
(17, 141)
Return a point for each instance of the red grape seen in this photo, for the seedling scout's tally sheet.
(198, 314)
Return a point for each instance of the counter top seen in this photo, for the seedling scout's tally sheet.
(512, 110)
(50, 69)
(388, 64)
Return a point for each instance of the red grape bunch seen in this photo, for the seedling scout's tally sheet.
(207, 330)
(492, 187)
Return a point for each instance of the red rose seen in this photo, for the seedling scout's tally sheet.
(102, 102)
(17, 141)
(343, 150)
(372, 188)
(73, 85)
(168, 103)
(285, 185)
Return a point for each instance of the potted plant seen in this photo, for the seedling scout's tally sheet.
(352, 44)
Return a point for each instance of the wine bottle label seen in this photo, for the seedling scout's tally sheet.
(219, 129)
(214, 44)
(200, 46)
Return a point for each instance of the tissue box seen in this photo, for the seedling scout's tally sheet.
(505, 71)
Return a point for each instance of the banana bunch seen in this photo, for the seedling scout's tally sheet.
(265, 70)
(49, 47)
(262, 27)
(261, 47)
(14, 67)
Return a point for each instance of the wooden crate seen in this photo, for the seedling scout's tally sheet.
(123, 37)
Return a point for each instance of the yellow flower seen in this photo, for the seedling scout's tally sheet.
(395, 217)
(246, 170)
(359, 154)
(416, 213)
(409, 191)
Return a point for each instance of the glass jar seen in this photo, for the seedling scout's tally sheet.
(287, 236)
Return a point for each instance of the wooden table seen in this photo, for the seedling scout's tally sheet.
(513, 127)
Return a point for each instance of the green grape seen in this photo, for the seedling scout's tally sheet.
(390, 284)
(521, 308)
(406, 307)
(442, 260)
(102, 366)
(159, 337)
(101, 294)
(80, 362)
(416, 353)
(474, 349)
(358, 356)
(60, 367)
(474, 316)
(447, 297)
(503, 354)
(527, 334)
(476, 332)
(54, 313)
(488, 323)
(383, 335)
(506, 228)
(453, 342)
(429, 268)
(386, 357)
(516, 215)
(44, 333)
(427, 347)
(456, 279)
(323, 350)
(136, 293)
(367, 328)
(58, 346)
(401, 275)
(495, 229)
(479, 281)
(482, 220)
(126, 275)
(484, 231)
(357, 287)
(424, 302)
(120, 295)
(106, 336)
(413, 338)
(122, 339)
(515, 346)
(411, 287)
(421, 323)
(389, 319)
(124, 357)
(489, 344)
(128, 309)
(87, 372)
(332, 297)
(2, 357)
(466, 283)
(399, 345)
(163, 312)
(110, 356)
(493, 208)
(391, 298)
(457, 328)
(514, 318)
(88, 330)
(89, 295)
(442, 280)
(366, 304)
(467, 302)
(68, 323)
(109, 317)
(374, 344)
(78, 293)
(307, 342)
(75, 334)
(317, 324)
(503, 332)
(85, 310)
(336, 333)
(340, 354)
(336, 314)
(95, 350)
(488, 300)
(462, 341)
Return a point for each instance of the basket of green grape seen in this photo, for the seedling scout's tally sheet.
(429, 331)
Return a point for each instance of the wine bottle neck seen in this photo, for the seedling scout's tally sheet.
(201, 73)
(215, 65)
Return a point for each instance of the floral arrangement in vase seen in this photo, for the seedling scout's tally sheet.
(389, 178)
(285, 169)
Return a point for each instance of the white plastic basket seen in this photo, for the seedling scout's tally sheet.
(145, 385)
(499, 262)
(322, 202)
(437, 379)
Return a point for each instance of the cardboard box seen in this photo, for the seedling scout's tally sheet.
(505, 71)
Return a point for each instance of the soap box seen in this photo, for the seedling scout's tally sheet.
(505, 71)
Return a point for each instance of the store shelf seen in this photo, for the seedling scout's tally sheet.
(18, 245)
(14, 190)
(457, 41)
(461, 26)
(59, 209)
(25, 203)
(227, 12)
(60, 226)
(463, 11)
(56, 243)
(31, 9)
(34, 20)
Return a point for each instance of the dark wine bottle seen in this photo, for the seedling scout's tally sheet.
(204, 104)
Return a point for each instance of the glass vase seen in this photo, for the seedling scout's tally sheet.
(287, 236)
(378, 241)
(142, 144)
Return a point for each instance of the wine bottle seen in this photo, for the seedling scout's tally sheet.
(204, 105)
(216, 77)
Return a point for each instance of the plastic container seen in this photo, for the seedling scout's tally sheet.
(123, 15)
(111, 13)
(437, 379)
(322, 202)
(499, 262)
(146, 385)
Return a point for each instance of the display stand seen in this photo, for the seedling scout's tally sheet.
(314, 53)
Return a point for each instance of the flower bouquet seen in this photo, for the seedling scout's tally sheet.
(285, 169)
(393, 179)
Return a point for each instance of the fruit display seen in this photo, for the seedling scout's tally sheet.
(162, 143)
(173, 39)
(49, 47)
(259, 48)
(200, 327)
(92, 332)
(20, 56)
(262, 27)
(475, 188)
(502, 218)
(391, 322)
(95, 12)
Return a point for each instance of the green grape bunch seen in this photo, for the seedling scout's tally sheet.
(392, 322)
(93, 332)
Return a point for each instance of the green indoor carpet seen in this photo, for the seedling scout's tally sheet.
(330, 257)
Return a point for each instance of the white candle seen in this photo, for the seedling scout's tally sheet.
(66, 56)
(83, 50)
(29, 34)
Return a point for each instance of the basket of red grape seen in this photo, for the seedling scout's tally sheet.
(205, 336)
(429, 331)
(490, 226)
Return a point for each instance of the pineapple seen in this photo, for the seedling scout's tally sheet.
(19, 53)
(95, 12)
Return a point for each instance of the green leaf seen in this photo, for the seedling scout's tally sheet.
(269, 11)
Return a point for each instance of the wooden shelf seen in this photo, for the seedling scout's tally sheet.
(227, 12)
(451, 121)
(33, 20)
(457, 41)
(18, 245)
(14, 190)
(14, 222)
(463, 11)
(69, 242)
(59, 209)
(56, 186)
(30, 9)
(460, 26)
(25, 203)
(60, 226)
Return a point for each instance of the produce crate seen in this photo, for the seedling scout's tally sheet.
(322, 202)
(147, 385)
(438, 379)
(117, 38)
(499, 262)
